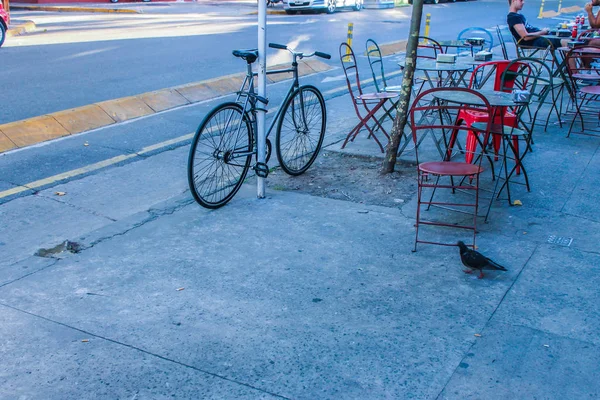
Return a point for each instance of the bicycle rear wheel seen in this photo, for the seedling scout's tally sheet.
(220, 155)
(301, 130)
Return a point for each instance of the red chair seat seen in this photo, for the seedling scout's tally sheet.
(593, 90)
(450, 168)
(587, 77)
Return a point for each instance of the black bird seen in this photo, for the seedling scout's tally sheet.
(474, 260)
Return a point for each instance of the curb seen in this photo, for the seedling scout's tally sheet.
(565, 10)
(270, 12)
(387, 49)
(26, 26)
(39, 129)
(74, 9)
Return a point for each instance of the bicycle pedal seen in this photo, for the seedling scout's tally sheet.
(261, 170)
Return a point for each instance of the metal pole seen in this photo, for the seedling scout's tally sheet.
(541, 14)
(349, 40)
(262, 91)
(427, 23)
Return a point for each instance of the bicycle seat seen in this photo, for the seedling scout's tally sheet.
(249, 55)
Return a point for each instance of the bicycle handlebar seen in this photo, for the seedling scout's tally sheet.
(299, 54)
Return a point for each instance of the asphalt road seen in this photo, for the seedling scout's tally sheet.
(75, 59)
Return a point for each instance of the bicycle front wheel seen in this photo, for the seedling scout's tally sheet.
(301, 130)
(220, 155)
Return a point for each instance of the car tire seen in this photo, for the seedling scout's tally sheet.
(2, 34)
(114, 1)
(331, 6)
(357, 5)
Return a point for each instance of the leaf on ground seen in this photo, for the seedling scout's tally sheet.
(517, 203)
(477, 335)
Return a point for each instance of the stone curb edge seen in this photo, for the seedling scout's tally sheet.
(21, 28)
(39, 129)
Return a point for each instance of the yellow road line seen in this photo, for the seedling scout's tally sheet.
(117, 159)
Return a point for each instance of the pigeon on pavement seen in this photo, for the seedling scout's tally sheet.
(474, 260)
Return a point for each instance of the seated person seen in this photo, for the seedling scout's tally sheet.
(530, 35)
(594, 19)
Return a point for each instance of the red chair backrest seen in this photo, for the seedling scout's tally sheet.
(500, 68)
(424, 106)
(430, 48)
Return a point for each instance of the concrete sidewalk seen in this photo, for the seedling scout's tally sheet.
(297, 296)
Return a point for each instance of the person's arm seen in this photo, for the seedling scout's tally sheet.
(520, 29)
(594, 19)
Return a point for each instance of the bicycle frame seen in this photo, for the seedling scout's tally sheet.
(247, 91)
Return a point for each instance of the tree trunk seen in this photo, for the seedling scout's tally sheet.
(407, 83)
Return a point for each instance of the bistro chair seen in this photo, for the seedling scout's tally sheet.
(477, 32)
(471, 116)
(504, 37)
(519, 74)
(585, 80)
(377, 71)
(546, 54)
(366, 105)
(447, 184)
(428, 48)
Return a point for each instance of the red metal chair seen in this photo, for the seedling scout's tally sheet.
(471, 116)
(461, 178)
(370, 103)
(585, 79)
(428, 48)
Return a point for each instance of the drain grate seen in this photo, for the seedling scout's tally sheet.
(559, 240)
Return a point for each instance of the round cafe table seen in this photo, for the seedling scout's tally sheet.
(448, 74)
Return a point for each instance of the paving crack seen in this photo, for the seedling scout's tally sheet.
(153, 215)
(76, 207)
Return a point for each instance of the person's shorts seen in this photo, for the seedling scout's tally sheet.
(542, 43)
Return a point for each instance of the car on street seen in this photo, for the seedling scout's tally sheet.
(4, 20)
(329, 6)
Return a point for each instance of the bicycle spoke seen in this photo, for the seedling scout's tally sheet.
(220, 155)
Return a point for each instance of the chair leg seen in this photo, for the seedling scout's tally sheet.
(419, 194)
(577, 112)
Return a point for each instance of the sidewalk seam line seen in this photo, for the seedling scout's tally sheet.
(215, 375)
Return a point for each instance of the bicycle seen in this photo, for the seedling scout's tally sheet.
(222, 148)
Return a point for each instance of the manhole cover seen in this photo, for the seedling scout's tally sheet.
(559, 240)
